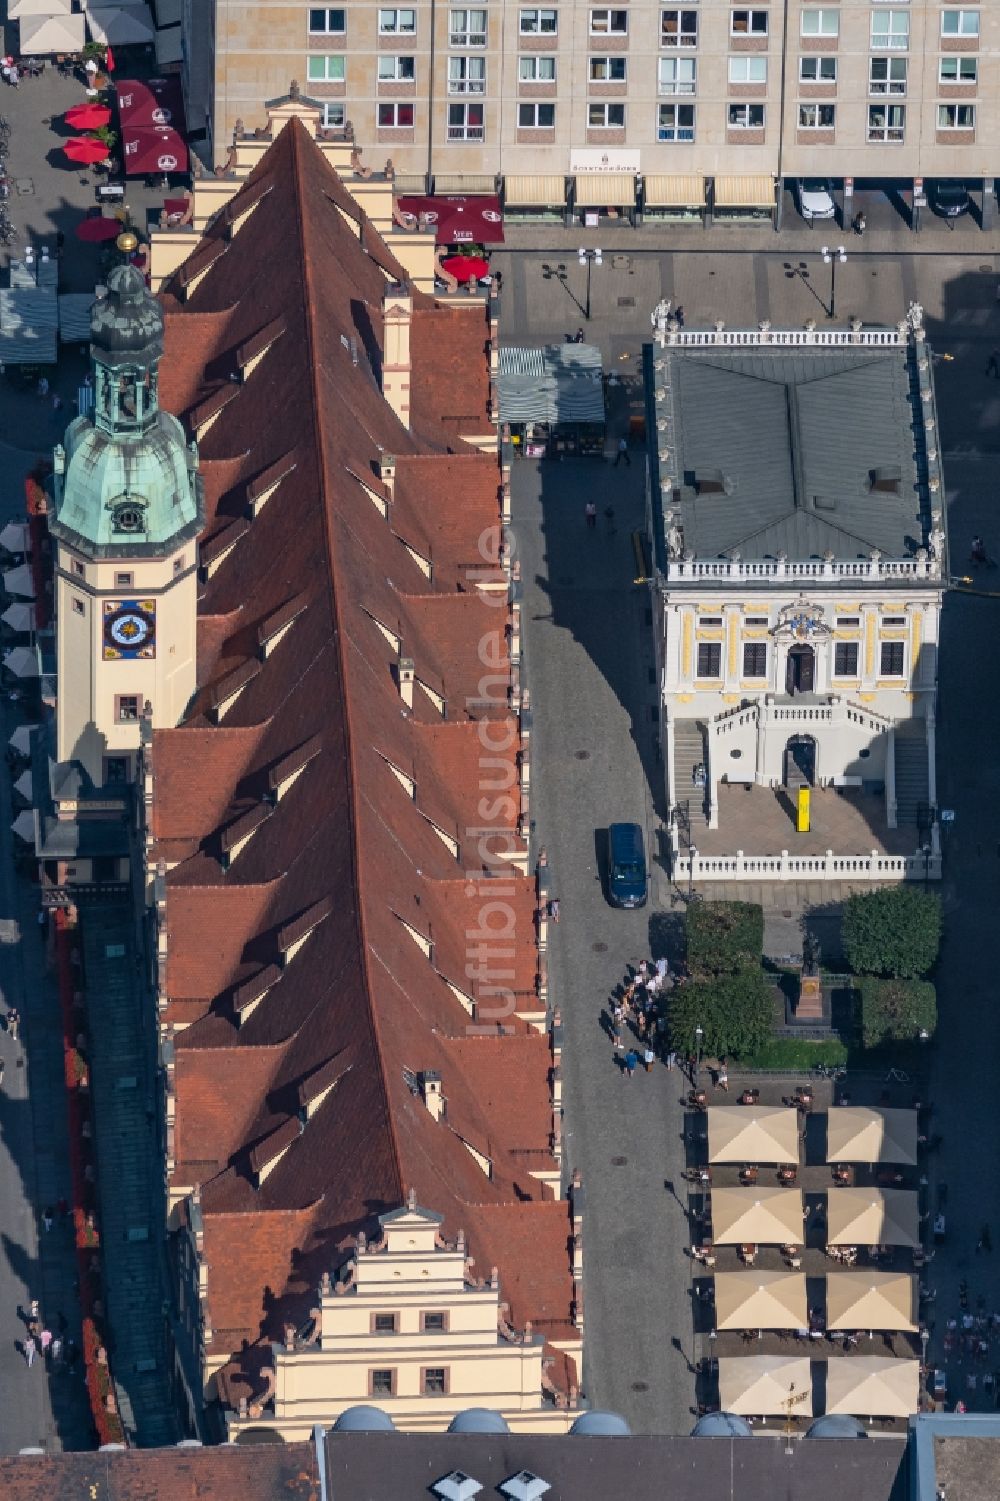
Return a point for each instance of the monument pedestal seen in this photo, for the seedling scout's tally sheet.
(809, 1007)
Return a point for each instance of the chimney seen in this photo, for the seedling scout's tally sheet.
(430, 1089)
(387, 471)
(406, 670)
(397, 312)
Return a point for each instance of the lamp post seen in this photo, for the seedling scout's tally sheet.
(699, 1037)
(833, 258)
(692, 857)
(590, 258)
(925, 850)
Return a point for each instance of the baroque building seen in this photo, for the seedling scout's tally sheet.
(796, 506)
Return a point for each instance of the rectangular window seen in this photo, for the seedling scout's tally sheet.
(397, 22)
(956, 117)
(465, 122)
(178, 566)
(755, 659)
(608, 22)
(710, 621)
(675, 122)
(746, 116)
(127, 708)
(892, 659)
(958, 69)
(435, 1381)
(397, 70)
(467, 28)
(960, 23)
(605, 116)
(677, 75)
(539, 22)
(678, 28)
(756, 620)
(326, 22)
(709, 659)
(124, 580)
(887, 75)
(79, 569)
(825, 22)
(467, 75)
(323, 69)
(536, 69)
(845, 659)
(79, 608)
(886, 122)
(434, 1323)
(334, 115)
(890, 30)
(894, 620)
(817, 70)
(747, 69)
(748, 23)
(384, 1323)
(115, 772)
(850, 622)
(817, 116)
(382, 1383)
(608, 70)
(395, 117)
(536, 116)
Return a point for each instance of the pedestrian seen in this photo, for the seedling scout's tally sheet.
(14, 76)
(631, 1059)
(498, 282)
(48, 1218)
(33, 1308)
(43, 386)
(2, 1067)
(13, 1021)
(590, 511)
(860, 224)
(616, 1038)
(984, 1242)
(648, 1058)
(56, 402)
(679, 315)
(554, 909)
(722, 1077)
(45, 1340)
(30, 1350)
(56, 1350)
(671, 1059)
(579, 337)
(993, 364)
(623, 453)
(609, 520)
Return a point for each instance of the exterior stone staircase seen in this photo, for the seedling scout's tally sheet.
(911, 771)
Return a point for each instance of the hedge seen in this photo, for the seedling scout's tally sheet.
(797, 1053)
(723, 938)
(735, 1012)
(895, 932)
(895, 1010)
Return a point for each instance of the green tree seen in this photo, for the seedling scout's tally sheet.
(895, 932)
(735, 1012)
(896, 1010)
(723, 938)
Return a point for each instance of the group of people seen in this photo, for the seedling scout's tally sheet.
(56, 1349)
(638, 1007)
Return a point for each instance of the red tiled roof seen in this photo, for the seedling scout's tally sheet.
(326, 896)
(231, 1472)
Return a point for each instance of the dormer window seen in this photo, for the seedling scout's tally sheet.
(128, 514)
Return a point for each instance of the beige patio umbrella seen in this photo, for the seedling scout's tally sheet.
(856, 1133)
(760, 1385)
(752, 1133)
(757, 1216)
(872, 1217)
(874, 1386)
(760, 1300)
(871, 1300)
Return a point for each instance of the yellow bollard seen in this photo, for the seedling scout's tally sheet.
(802, 821)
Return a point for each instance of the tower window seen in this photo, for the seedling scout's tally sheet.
(79, 569)
(124, 580)
(127, 708)
(178, 566)
(384, 1323)
(79, 608)
(434, 1323)
(382, 1383)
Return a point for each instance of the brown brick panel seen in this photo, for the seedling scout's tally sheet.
(616, 90)
(956, 137)
(753, 137)
(613, 135)
(536, 90)
(399, 90)
(816, 137)
(817, 91)
(963, 92)
(757, 92)
(535, 137)
(819, 43)
(748, 43)
(391, 136)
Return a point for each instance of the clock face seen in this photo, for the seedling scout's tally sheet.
(129, 629)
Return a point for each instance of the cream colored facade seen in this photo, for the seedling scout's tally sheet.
(408, 1328)
(465, 95)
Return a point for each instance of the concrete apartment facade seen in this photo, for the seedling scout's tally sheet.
(668, 107)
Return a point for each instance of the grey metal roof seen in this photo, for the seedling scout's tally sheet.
(786, 444)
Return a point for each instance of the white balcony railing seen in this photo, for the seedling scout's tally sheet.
(747, 570)
(874, 866)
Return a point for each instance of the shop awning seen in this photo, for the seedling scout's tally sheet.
(41, 35)
(561, 383)
(605, 189)
(153, 101)
(662, 191)
(744, 192)
(29, 318)
(457, 219)
(129, 27)
(168, 12)
(534, 192)
(74, 316)
(152, 149)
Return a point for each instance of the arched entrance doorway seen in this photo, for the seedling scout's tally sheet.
(800, 761)
(800, 672)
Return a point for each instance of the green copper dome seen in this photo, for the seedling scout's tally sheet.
(125, 482)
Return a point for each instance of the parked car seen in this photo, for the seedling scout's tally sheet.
(627, 880)
(816, 198)
(950, 200)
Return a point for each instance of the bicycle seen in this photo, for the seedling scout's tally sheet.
(829, 1071)
(897, 1076)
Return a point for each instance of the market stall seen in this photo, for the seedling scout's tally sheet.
(553, 400)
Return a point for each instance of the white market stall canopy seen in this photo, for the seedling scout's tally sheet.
(18, 9)
(19, 617)
(24, 826)
(20, 741)
(558, 383)
(15, 537)
(168, 46)
(42, 35)
(129, 27)
(23, 662)
(28, 320)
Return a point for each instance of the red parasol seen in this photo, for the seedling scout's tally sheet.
(151, 149)
(154, 101)
(87, 116)
(87, 150)
(109, 61)
(464, 267)
(97, 229)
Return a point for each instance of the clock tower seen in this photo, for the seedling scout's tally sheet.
(128, 509)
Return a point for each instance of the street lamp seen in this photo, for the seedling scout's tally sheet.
(833, 258)
(925, 850)
(692, 857)
(699, 1037)
(590, 258)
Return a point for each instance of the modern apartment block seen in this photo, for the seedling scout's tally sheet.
(670, 107)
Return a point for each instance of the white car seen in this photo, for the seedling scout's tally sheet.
(816, 199)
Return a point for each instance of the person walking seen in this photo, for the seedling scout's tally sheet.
(984, 1243)
(2, 1067)
(722, 1077)
(554, 909)
(993, 364)
(648, 1058)
(609, 520)
(48, 1218)
(631, 1060)
(671, 1060)
(30, 1350)
(590, 512)
(13, 1021)
(623, 453)
(45, 1340)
